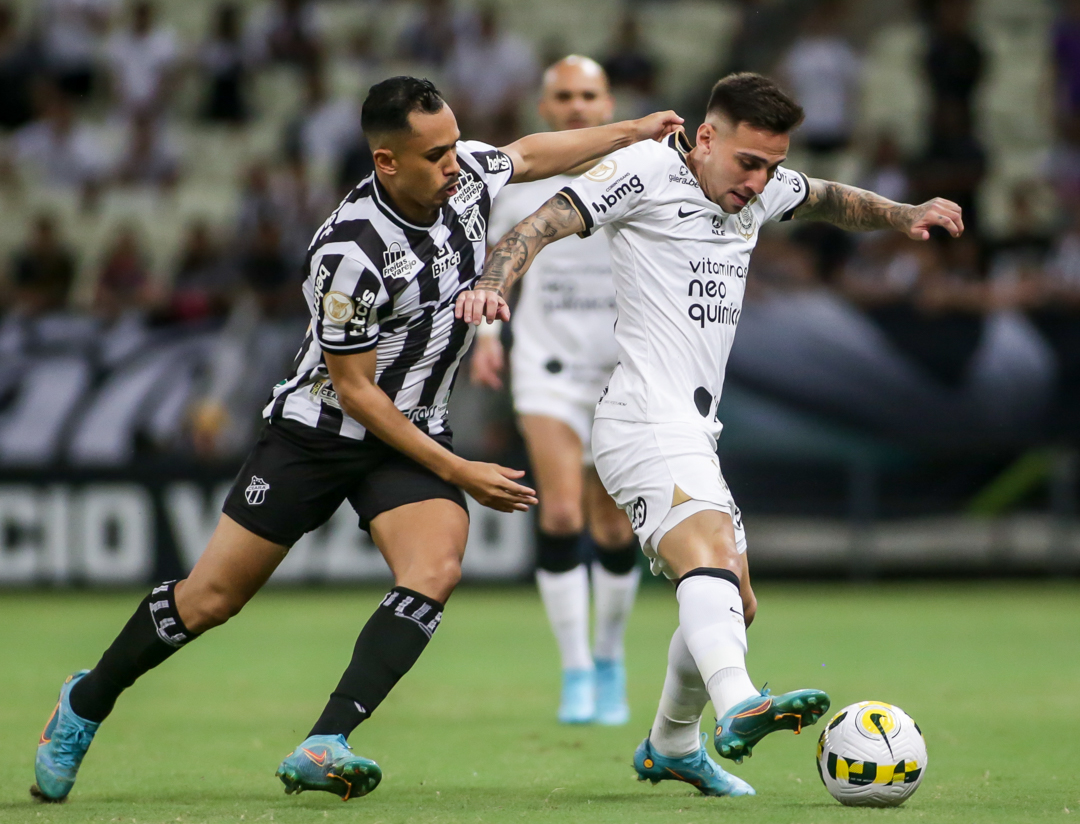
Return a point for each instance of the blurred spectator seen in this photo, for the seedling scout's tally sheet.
(149, 156)
(953, 163)
(887, 175)
(762, 29)
(629, 64)
(72, 32)
(356, 164)
(822, 69)
(203, 281)
(325, 128)
(490, 76)
(42, 271)
(433, 32)
(57, 148)
(955, 62)
(17, 66)
(287, 31)
(266, 271)
(301, 205)
(1017, 257)
(256, 200)
(142, 61)
(1066, 45)
(223, 62)
(123, 284)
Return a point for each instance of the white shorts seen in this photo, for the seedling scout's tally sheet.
(560, 395)
(641, 464)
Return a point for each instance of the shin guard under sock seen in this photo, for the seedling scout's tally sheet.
(150, 636)
(388, 646)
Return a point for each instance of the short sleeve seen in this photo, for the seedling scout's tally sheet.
(345, 303)
(785, 193)
(612, 189)
(496, 167)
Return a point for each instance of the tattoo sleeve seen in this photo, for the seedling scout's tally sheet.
(856, 210)
(513, 255)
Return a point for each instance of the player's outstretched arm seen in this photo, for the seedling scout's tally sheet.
(858, 210)
(513, 255)
(362, 400)
(537, 156)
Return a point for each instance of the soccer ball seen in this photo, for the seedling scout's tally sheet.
(871, 754)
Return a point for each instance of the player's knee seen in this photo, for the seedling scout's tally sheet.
(439, 577)
(611, 532)
(561, 517)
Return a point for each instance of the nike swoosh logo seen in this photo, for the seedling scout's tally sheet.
(687, 214)
(319, 759)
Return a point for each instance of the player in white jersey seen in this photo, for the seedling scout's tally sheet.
(564, 350)
(682, 223)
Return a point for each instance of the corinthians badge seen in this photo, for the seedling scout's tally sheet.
(745, 224)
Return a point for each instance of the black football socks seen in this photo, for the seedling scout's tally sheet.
(150, 636)
(386, 649)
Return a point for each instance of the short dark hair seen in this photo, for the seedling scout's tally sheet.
(755, 100)
(389, 104)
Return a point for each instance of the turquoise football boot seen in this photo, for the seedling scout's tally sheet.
(752, 719)
(577, 703)
(326, 762)
(696, 769)
(611, 707)
(61, 748)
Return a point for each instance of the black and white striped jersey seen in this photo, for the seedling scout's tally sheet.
(375, 280)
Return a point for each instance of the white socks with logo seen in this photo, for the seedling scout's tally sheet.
(566, 601)
(711, 620)
(613, 597)
(676, 730)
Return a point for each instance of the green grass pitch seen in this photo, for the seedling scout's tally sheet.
(991, 672)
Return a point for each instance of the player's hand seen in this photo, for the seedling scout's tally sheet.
(487, 363)
(494, 486)
(936, 212)
(657, 126)
(475, 305)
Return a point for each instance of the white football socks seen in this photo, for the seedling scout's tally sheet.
(566, 600)
(676, 730)
(711, 620)
(613, 598)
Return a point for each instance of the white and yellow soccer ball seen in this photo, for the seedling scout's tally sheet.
(871, 754)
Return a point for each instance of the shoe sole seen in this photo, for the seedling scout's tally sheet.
(356, 780)
(805, 712)
(38, 795)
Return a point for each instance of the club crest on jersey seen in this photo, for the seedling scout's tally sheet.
(338, 307)
(469, 190)
(604, 170)
(400, 262)
(745, 223)
(256, 491)
(637, 511)
(475, 225)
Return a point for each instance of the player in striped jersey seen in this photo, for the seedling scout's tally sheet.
(362, 417)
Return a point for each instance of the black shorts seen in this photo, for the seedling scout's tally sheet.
(297, 476)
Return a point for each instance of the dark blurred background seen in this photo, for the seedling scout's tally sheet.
(891, 408)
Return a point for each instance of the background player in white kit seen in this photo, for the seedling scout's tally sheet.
(682, 223)
(564, 350)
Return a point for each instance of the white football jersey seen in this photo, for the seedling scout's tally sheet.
(679, 263)
(565, 315)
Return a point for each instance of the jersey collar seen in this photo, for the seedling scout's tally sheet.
(680, 143)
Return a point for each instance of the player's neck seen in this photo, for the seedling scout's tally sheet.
(693, 163)
(406, 207)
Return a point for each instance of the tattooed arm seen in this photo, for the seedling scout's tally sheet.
(513, 255)
(858, 210)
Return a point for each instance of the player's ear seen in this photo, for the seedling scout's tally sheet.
(384, 160)
(705, 136)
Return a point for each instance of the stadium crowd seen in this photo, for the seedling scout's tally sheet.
(163, 167)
